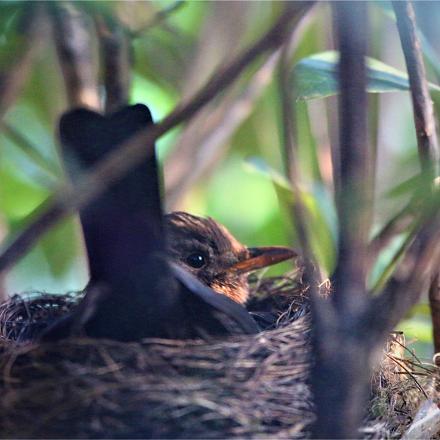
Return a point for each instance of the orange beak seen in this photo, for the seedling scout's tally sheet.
(260, 257)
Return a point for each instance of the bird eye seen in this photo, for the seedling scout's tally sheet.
(196, 260)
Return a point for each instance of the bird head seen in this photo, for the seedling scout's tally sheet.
(210, 252)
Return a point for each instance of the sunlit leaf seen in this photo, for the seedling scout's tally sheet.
(316, 77)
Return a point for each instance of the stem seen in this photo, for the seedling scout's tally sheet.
(428, 148)
(422, 105)
(354, 197)
(342, 364)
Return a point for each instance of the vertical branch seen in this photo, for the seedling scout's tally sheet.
(422, 105)
(424, 121)
(354, 196)
(73, 43)
(114, 46)
(342, 360)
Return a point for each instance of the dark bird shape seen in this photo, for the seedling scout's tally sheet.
(206, 249)
(134, 291)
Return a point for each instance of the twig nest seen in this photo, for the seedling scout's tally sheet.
(247, 386)
(255, 386)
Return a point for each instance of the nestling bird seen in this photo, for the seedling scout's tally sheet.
(210, 252)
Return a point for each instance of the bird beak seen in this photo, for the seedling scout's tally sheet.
(260, 257)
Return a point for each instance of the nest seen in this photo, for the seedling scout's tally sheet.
(253, 386)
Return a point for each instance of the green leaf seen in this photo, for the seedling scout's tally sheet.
(320, 225)
(316, 77)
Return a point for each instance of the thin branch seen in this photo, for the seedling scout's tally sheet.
(141, 145)
(75, 54)
(13, 76)
(115, 62)
(422, 103)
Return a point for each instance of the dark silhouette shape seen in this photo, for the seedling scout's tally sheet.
(134, 292)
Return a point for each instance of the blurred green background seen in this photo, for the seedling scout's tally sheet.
(228, 162)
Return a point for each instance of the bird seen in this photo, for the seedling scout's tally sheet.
(175, 276)
(207, 249)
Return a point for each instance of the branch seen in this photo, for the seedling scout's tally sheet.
(141, 145)
(354, 197)
(422, 104)
(401, 294)
(74, 47)
(341, 366)
(115, 62)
